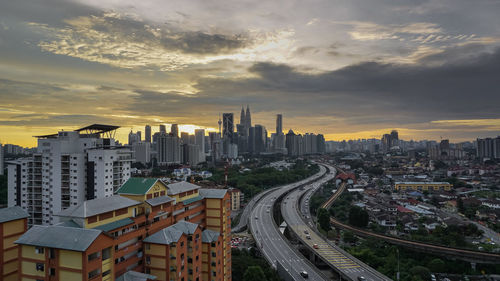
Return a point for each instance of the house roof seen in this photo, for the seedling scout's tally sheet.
(60, 237)
(114, 225)
(179, 187)
(209, 236)
(192, 200)
(98, 206)
(159, 200)
(213, 193)
(137, 186)
(12, 213)
(172, 233)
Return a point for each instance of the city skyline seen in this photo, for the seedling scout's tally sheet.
(345, 70)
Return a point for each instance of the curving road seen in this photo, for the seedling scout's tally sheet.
(272, 243)
(350, 267)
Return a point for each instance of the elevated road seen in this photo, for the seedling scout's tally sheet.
(272, 243)
(346, 265)
(242, 223)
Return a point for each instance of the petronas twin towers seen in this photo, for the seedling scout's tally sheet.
(246, 119)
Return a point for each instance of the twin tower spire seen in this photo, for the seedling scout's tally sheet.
(246, 118)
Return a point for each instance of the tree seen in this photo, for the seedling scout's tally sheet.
(437, 265)
(460, 205)
(254, 273)
(324, 219)
(349, 237)
(358, 216)
(421, 271)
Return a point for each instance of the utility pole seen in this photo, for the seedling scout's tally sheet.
(397, 276)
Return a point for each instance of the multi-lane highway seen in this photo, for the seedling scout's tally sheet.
(348, 266)
(272, 243)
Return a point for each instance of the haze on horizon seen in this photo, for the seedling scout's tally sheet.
(345, 69)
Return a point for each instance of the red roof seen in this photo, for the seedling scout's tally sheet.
(402, 209)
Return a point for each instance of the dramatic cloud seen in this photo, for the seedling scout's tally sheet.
(342, 68)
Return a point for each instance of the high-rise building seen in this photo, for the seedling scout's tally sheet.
(174, 130)
(142, 152)
(248, 118)
(163, 129)
(168, 149)
(134, 137)
(191, 154)
(185, 138)
(227, 126)
(488, 148)
(215, 145)
(1, 160)
(147, 133)
(259, 139)
(200, 142)
(243, 120)
(171, 231)
(279, 124)
(68, 168)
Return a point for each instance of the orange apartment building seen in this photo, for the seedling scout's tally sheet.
(121, 224)
(13, 223)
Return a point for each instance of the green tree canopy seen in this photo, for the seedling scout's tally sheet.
(324, 219)
(358, 216)
(254, 273)
(437, 265)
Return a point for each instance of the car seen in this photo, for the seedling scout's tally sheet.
(308, 237)
(256, 217)
(315, 246)
(433, 277)
(361, 278)
(304, 274)
(306, 232)
(267, 211)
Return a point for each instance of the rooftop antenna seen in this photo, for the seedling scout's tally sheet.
(220, 123)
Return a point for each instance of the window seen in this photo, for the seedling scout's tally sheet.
(105, 273)
(94, 273)
(94, 256)
(52, 253)
(52, 272)
(148, 260)
(182, 244)
(39, 250)
(40, 267)
(106, 253)
(213, 254)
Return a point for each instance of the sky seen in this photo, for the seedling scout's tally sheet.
(347, 69)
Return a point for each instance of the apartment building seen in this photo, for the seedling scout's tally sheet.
(68, 168)
(142, 212)
(13, 223)
(422, 186)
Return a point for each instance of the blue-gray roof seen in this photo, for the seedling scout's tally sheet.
(115, 224)
(159, 200)
(69, 223)
(209, 236)
(192, 200)
(172, 234)
(212, 193)
(135, 276)
(12, 213)
(98, 206)
(179, 187)
(60, 237)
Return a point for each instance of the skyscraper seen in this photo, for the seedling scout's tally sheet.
(200, 142)
(174, 130)
(163, 129)
(147, 136)
(169, 149)
(1, 159)
(243, 117)
(279, 124)
(227, 126)
(248, 119)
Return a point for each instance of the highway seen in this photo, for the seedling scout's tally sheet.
(272, 243)
(242, 223)
(350, 267)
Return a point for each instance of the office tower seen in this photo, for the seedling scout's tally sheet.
(259, 139)
(248, 118)
(243, 117)
(148, 227)
(185, 137)
(192, 139)
(68, 168)
(191, 154)
(321, 144)
(174, 130)
(139, 135)
(142, 152)
(394, 138)
(168, 149)
(200, 142)
(147, 132)
(279, 124)
(1, 160)
(163, 129)
(228, 127)
(134, 137)
(215, 146)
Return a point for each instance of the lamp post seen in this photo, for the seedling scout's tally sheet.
(397, 275)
